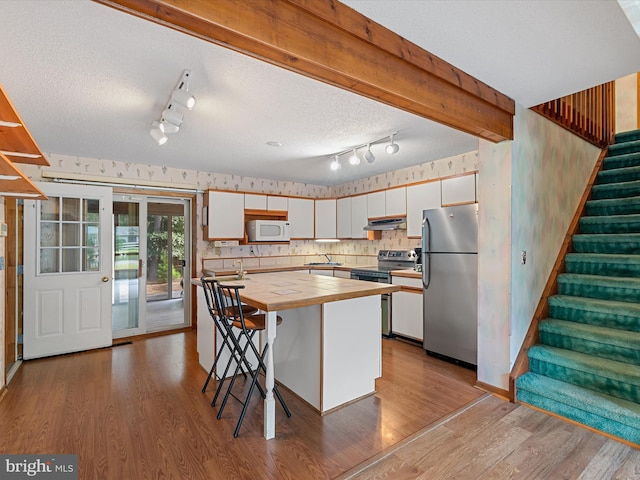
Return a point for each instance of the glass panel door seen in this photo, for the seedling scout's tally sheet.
(166, 262)
(127, 266)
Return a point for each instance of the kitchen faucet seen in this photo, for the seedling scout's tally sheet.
(328, 257)
(241, 273)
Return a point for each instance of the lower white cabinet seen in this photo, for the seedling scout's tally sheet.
(406, 309)
(326, 273)
(342, 273)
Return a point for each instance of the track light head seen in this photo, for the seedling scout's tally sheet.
(184, 98)
(335, 165)
(170, 115)
(157, 133)
(368, 155)
(353, 158)
(392, 147)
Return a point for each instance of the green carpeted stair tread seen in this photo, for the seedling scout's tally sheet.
(615, 162)
(615, 344)
(592, 311)
(617, 265)
(624, 289)
(618, 175)
(628, 136)
(605, 413)
(614, 206)
(623, 148)
(615, 190)
(610, 224)
(613, 378)
(625, 243)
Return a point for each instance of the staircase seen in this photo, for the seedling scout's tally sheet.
(587, 365)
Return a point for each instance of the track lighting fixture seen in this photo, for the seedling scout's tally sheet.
(354, 159)
(335, 165)
(172, 116)
(157, 133)
(392, 147)
(368, 155)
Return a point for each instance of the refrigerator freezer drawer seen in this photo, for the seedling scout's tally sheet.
(451, 306)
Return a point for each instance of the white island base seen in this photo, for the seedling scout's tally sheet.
(328, 354)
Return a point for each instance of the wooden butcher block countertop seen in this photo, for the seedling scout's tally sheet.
(285, 290)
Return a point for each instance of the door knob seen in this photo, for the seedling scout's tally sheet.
(105, 279)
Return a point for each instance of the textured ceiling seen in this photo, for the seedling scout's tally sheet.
(89, 80)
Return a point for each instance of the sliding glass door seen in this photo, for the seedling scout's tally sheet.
(151, 252)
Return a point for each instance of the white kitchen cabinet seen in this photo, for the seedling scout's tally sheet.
(253, 201)
(326, 273)
(459, 190)
(376, 204)
(326, 218)
(343, 215)
(342, 273)
(359, 217)
(406, 308)
(277, 203)
(256, 201)
(225, 215)
(395, 201)
(423, 196)
(301, 217)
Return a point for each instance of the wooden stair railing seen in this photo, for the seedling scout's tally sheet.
(589, 114)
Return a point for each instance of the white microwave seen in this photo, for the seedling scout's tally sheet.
(268, 231)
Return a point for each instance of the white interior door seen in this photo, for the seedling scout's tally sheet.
(67, 270)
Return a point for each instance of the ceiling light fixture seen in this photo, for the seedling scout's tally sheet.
(392, 147)
(354, 159)
(368, 154)
(157, 133)
(172, 116)
(335, 165)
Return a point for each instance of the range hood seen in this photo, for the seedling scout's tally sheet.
(395, 223)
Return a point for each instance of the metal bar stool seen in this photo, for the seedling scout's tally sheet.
(229, 296)
(223, 325)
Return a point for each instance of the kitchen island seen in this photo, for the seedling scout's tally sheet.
(328, 350)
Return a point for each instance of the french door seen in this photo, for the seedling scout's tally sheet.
(151, 267)
(67, 270)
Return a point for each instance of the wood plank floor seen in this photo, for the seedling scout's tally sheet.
(136, 412)
(495, 440)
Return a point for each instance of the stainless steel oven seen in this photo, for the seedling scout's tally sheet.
(388, 260)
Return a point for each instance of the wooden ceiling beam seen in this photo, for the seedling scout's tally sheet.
(330, 42)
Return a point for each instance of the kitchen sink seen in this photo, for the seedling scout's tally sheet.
(323, 263)
(227, 278)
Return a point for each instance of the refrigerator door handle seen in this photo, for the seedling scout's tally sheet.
(426, 243)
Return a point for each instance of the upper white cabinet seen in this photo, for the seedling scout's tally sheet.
(459, 190)
(343, 214)
(253, 201)
(395, 201)
(423, 196)
(359, 217)
(277, 203)
(326, 218)
(301, 217)
(225, 215)
(376, 204)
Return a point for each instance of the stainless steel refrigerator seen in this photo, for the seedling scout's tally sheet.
(450, 282)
